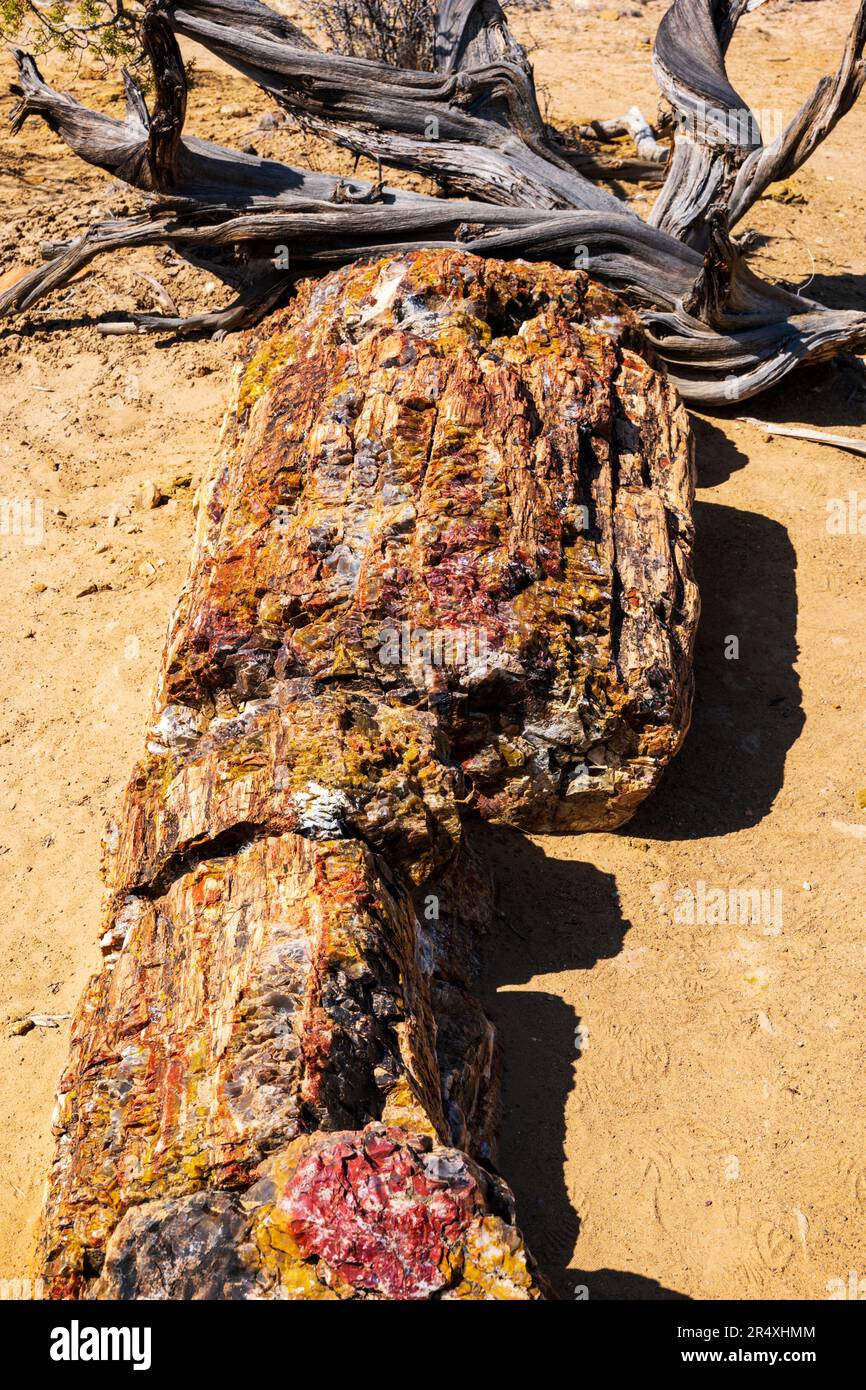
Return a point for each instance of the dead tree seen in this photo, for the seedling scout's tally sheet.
(475, 125)
(442, 570)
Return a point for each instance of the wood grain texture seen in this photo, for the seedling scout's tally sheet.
(284, 1025)
(474, 125)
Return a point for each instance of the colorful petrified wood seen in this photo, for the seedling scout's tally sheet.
(442, 568)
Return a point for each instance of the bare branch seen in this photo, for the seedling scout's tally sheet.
(479, 129)
(724, 333)
(166, 126)
(831, 100)
(719, 155)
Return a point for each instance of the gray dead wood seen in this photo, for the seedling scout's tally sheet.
(474, 125)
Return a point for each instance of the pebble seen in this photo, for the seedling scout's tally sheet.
(150, 496)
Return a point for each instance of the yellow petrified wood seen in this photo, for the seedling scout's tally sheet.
(442, 568)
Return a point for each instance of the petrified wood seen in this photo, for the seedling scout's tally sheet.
(442, 568)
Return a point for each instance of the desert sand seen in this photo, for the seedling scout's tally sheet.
(683, 1107)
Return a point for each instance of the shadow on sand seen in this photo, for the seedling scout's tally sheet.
(747, 712)
(564, 915)
(570, 924)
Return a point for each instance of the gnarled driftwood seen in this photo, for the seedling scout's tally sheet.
(473, 124)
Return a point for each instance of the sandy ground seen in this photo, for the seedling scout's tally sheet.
(683, 1095)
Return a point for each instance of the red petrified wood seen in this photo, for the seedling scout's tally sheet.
(442, 568)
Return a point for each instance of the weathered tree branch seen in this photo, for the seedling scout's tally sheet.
(719, 156)
(474, 122)
(831, 100)
(166, 125)
(477, 127)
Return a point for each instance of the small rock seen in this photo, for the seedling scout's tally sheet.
(150, 496)
(145, 569)
(21, 1026)
(271, 608)
(39, 588)
(785, 192)
(237, 111)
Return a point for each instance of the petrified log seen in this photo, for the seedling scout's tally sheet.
(442, 567)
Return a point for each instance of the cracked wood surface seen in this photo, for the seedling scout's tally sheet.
(280, 1084)
(474, 125)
